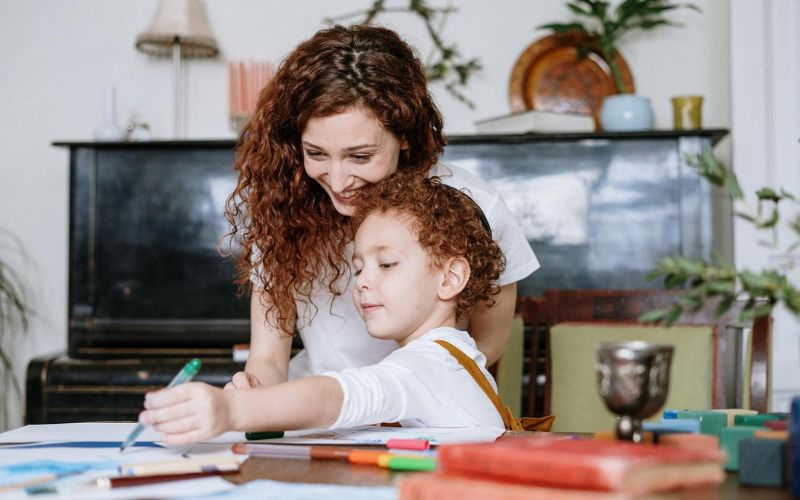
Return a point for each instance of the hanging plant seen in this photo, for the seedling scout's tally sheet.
(445, 64)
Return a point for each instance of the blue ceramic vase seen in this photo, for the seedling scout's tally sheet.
(626, 113)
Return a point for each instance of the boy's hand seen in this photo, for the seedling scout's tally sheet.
(187, 413)
(243, 380)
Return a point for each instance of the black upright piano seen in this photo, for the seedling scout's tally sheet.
(148, 289)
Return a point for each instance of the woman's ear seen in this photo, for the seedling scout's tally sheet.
(456, 275)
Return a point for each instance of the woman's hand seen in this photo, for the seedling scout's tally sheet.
(187, 413)
(243, 380)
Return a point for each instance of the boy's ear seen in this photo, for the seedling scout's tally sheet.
(456, 275)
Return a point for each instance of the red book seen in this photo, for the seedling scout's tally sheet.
(584, 464)
(448, 487)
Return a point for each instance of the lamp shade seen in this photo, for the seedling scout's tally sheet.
(184, 22)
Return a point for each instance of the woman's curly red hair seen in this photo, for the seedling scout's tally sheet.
(448, 224)
(289, 232)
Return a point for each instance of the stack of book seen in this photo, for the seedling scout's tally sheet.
(535, 121)
(552, 468)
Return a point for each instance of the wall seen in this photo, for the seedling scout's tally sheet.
(766, 123)
(58, 55)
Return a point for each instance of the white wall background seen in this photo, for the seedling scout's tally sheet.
(56, 57)
(765, 60)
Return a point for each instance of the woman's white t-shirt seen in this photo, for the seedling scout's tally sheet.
(333, 333)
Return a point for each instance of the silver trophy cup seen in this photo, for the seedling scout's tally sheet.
(633, 378)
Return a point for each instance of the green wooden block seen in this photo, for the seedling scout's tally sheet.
(754, 419)
(729, 439)
(711, 422)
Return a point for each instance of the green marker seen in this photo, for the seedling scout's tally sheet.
(412, 463)
(186, 374)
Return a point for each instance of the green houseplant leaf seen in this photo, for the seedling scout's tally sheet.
(605, 26)
(761, 290)
(14, 315)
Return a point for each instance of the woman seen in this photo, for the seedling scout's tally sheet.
(347, 108)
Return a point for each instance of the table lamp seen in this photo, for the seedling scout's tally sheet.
(180, 29)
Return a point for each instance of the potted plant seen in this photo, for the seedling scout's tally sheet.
(14, 313)
(603, 27)
(721, 283)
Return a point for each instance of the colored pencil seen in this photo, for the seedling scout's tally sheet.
(125, 481)
(292, 451)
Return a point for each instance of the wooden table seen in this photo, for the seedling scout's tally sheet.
(339, 472)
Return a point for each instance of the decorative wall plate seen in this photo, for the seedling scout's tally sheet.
(550, 76)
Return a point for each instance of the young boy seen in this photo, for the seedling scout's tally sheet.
(424, 257)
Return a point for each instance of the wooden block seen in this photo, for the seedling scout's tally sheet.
(780, 414)
(732, 412)
(770, 434)
(711, 422)
(729, 439)
(757, 420)
(777, 425)
(762, 462)
(674, 425)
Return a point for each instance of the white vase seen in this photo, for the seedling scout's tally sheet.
(108, 130)
(626, 113)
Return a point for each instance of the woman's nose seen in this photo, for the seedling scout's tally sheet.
(339, 177)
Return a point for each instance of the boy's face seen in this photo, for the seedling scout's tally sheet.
(397, 286)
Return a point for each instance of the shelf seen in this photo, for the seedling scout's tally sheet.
(715, 135)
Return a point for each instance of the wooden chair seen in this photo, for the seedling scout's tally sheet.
(625, 306)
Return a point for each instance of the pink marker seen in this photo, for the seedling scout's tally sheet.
(408, 444)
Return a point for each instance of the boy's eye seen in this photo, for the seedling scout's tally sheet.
(388, 265)
(358, 271)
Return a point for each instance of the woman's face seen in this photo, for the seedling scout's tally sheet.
(347, 151)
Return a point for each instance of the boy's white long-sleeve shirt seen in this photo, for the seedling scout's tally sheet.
(418, 385)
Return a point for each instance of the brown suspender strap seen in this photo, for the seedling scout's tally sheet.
(469, 364)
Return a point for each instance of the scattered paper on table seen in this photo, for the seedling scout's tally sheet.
(264, 488)
(376, 435)
(82, 431)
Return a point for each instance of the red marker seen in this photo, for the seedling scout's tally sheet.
(408, 444)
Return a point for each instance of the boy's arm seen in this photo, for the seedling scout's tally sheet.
(194, 412)
(306, 403)
(491, 327)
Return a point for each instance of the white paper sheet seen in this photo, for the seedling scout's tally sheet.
(81, 487)
(117, 432)
(264, 489)
(84, 431)
(375, 435)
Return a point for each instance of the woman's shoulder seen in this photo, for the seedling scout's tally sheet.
(460, 178)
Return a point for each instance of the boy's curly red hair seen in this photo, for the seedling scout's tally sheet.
(448, 224)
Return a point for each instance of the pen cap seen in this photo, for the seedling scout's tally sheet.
(192, 367)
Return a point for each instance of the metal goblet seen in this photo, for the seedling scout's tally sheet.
(633, 379)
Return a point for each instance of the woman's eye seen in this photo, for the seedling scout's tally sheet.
(362, 158)
(314, 154)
